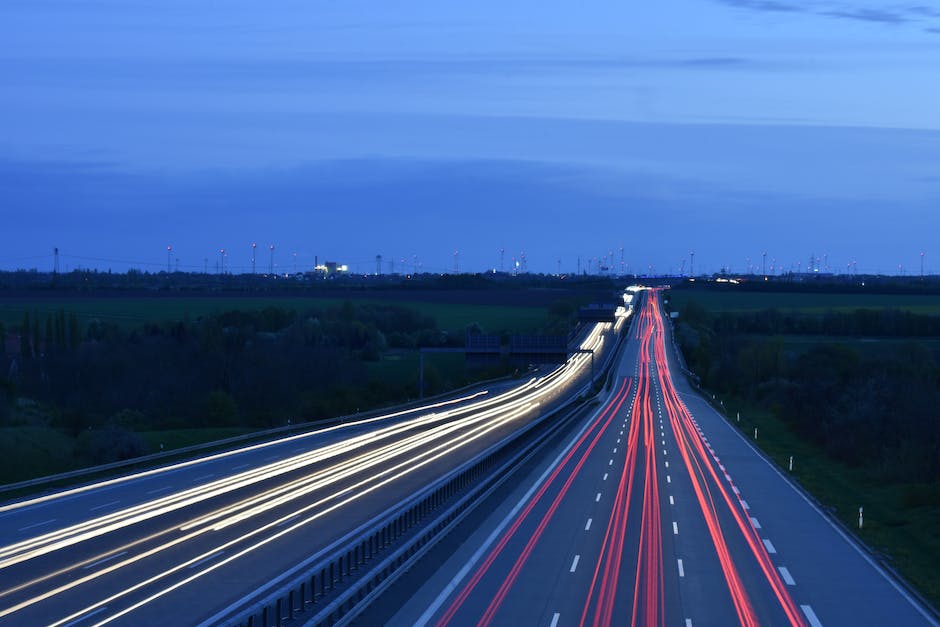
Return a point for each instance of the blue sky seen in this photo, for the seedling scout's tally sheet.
(417, 128)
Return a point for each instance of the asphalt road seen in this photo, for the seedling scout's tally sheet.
(656, 512)
(183, 544)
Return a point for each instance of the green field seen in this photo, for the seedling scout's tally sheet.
(900, 519)
(731, 300)
(134, 310)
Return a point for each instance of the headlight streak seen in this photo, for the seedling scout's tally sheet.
(534, 389)
(409, 469)
(202, 460)
(600, 424)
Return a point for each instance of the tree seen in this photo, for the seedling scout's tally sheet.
(75, 332)
(26, 348)
(3, 339)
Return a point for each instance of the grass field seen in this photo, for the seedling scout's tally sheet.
(901, 520)
(134, 310)
(740, 301)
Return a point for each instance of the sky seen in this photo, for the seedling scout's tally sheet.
(413, 129)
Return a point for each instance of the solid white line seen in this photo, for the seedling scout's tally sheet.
(810, 616)
(587, 527)
(39, 524)
(850, 541)
(597, 498)
(574, 563)
(103, 560)
(787, 577)
(484, 547)
(91, 509)
(681, 569)
(671, 502)
(770, 546)
(675, 528)
(755, 523)
(555, 620)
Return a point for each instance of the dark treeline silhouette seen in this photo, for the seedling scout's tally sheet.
(105, 383)
(877, 410)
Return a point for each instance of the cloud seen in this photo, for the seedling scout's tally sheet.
(869, 15)
(766, 5)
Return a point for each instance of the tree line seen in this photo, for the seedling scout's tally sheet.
(862, 408)
(104, 383)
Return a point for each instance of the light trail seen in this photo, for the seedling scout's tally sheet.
(440, 434)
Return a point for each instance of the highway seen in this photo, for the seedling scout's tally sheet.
(188, 543)
(655, 511)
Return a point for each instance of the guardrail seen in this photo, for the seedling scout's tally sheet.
(334, 585)
(238, 439)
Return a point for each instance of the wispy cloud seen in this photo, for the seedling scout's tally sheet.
(854, 11)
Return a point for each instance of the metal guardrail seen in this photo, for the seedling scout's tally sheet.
(336, 586)
(238, 439)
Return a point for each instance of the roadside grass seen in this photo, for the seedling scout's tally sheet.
(173, 439)
(133, 311)
(34, 451)
(900, 520)
(733, 301)
(865, 346)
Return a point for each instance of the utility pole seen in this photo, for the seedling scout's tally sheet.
(502, 257)
(271, 269)
(922, 264)
(763, 264)
(456, 262)
(168, 249)
(692, 263)
(222, 265)
(254, 249)
(378, 265)
(55, 262)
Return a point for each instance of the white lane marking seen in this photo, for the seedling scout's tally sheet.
(490, 539)
(203, 478)
(734, 489)
(605, 476)
(555, 620)
(770, 546)
(755, 523)
(271, 457)
(615, 449)
(39, 524)
(681, 569)
(618, 440)
(863, 553)
(163, 489)
(664, 451)
(300, 450)
(574, 563)
(103, 560)
(597, 498)
(667, 464)
(610, 463)
(664, 442)
(688, 622)
(103, 505)
(675, 528)
(668, 479)
(587, 527)
(810, 616)
(206, 559)
(671, 501)
(744, 504)
(787, 577)
(88, 615)
(240, 466)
